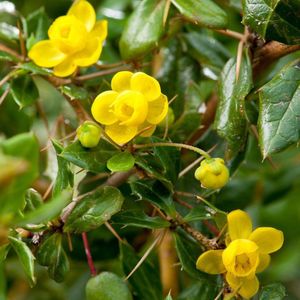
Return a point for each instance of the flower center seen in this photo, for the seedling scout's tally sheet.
(242, 263)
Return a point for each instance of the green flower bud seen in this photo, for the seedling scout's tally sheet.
(212, 173)
(89, 134)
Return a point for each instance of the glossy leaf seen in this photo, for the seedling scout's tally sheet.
(197, 213)
(34, 69)
(26, 258)
(230, 120)
(93, 159)
(205, 13)
(121, 162)
(279, 111)
(64, 178)
(52, 255)
(145, 280)
(275, 291)
(24, 91)
(274, 20)
(94, 210)
(75, 92)
(143, 29)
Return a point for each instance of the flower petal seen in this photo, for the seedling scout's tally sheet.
(145, 84)
(101, 108)
(46, 54)
(158, 109)
(90, 54)
(146, 129)
(211, 262)
(121, 134)
(268, 239)
(84, 12)
(100, 30)
(239, 225)
(121, 81)
(264, 261)
(66, 68)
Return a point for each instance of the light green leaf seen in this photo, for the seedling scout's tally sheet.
(143, 29)
(34, 69)
(279, 111)
(33, 199)
(26, 258)
(121, 162)
(94, 210)
(75, 92)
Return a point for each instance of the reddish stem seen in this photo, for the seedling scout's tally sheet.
(88, 254)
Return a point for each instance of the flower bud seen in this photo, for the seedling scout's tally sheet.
(89, 134)
(212, 173)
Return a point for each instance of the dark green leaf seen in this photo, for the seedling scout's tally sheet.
(75, 92)
(94, 209)
(279, 111)
(274, 20)
(230, 120)
(93, 159)
(274, 291)
(143, 29)
(4, 56)
(2, 282)
(26, 258)
(205, 13)
(197, 213)
(24, 91)
(64, 178)
(47, 211)
(33, 199)
(145, 280)
(121, 162)
(139, 219)
(154, 193)
(202, 290)
(52, 255)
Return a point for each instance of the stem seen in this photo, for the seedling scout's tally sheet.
(177, 145)
(88, 254)
(230, 33)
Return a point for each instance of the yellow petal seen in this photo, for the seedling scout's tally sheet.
(121, 134)
(46, 54)
(246, 287)
(158, 109)
(100, 30)
(145, 84)
(66, 68)
(268, 239)
(90, 54)
(211, 262)
(146, 129)
(239, 225)
(102, 110)
(84, 12)
(131, 108)
(264, 261)
(121, 81)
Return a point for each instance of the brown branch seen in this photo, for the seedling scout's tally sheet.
(10, 51)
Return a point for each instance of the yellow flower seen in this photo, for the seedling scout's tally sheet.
(212, 173)
(134, 106)
(74, 40)
(89, 134)
(247, 253)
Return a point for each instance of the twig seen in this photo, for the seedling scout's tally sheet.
(239, 60)
(166, 12)
(230, 33)
(10, 51)
(88, 254)
(3, 96)
(112, 230)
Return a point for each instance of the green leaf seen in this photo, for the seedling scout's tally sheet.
(202, 290)
(52, 255)
(274, 291)
(47, 211)
(93, 159)
(94, 209)
(8, 33)
(274, 20)
(24, 91)
(188, 252)
(2, 282)
(169, 297)
(279, 111)
(24, 146)
(33, 199)
(4, 56)
(230, 120)
(121, 162)
(26, 258)
(154, 193)
(139, 219)
(205, 13)
(143, 29)
(145, 280)
(64, 177)
(74, 92)
(34, 69)
(197, 213)
(107, 286)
